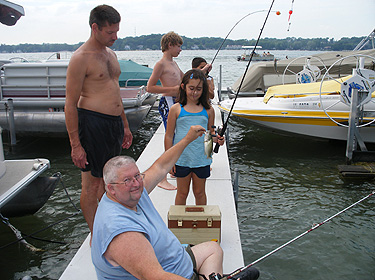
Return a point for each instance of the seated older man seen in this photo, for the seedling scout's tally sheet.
(130, 240)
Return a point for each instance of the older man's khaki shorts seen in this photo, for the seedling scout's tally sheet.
(190, 252)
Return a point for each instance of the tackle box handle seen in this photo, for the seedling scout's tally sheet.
(194, 209)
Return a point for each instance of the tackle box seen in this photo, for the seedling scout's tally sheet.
(195, 224)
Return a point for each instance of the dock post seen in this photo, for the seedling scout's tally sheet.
(366, 158)
(235, 186)
(351, 143)
(12, 128)
(354, 137)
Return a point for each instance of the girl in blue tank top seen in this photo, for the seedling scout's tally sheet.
(192, 108)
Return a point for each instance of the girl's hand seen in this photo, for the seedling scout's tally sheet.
(220, 139)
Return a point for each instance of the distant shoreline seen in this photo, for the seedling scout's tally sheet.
(152, 42)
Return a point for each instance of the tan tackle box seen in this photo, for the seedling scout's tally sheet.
(195, 224)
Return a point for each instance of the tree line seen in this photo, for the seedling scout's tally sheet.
(152, 42)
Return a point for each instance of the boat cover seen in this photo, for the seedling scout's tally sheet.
(254, 78)
(133, 71)
(301, 90)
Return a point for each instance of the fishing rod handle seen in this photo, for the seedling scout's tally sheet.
(220, 131)
(216, 149)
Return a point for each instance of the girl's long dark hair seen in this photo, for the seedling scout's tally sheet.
(194, 74)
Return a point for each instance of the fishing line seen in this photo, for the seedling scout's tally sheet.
(290, 13)
(243, 78)
(260, 11)
(315, 226)
(231, 31)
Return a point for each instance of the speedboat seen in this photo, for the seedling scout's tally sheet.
(32, 96)
(319, 109)
(256, 56)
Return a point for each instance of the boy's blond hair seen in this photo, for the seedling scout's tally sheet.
(170, 37)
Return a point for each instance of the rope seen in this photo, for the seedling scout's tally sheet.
(58, 174)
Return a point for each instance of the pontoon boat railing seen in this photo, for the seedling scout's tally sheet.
(361, 44)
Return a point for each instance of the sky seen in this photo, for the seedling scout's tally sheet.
(57, 21)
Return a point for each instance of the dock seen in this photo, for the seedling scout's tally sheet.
(219, 192)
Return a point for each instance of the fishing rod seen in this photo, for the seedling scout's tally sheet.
(315, 226)
(216, 149)
(260, 11)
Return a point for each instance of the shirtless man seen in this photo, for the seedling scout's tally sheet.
(167, 71)
(94, 112)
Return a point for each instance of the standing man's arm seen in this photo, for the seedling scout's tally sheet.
(128, 137)
(75, 77)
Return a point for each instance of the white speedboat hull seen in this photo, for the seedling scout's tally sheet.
(302, 115)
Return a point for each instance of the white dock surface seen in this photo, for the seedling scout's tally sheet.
(219, 192)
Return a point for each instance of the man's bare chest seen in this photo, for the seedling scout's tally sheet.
(104, 70)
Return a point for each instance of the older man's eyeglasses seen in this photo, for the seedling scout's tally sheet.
(129, 180)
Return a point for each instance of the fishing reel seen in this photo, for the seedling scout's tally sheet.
(218, 130)
(246, 273)
(217, 276)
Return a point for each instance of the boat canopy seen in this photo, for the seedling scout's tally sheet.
(303, 90)
(136, 73)
(251, 47)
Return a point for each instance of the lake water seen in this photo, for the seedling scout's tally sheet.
(287, 184)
